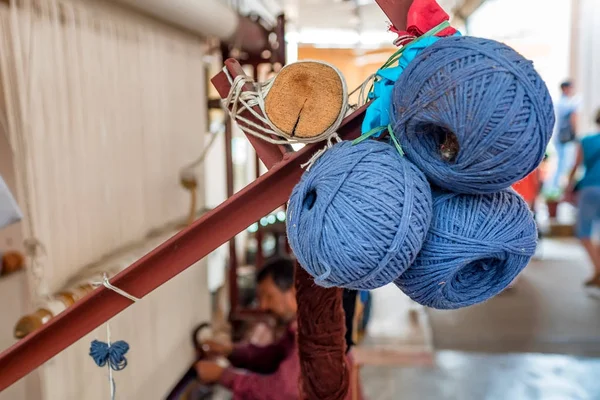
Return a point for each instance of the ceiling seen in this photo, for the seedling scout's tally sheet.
(340, 14)
(340, 23)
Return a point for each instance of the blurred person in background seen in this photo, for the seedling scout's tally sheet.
(565, 134)
(269, 372)
(586, 194)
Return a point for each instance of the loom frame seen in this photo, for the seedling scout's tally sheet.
(195, 242)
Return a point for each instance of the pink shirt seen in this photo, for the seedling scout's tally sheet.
(275, 371)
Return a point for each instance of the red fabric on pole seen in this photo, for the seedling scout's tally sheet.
(424, 15)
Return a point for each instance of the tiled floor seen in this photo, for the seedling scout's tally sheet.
(469, 376)
(485, 352)
(548, 311)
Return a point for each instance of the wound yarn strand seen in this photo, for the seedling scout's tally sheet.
(111, 354)
(325, 373)
(362, 90)
(357, 219)
(331, 141)
(476, 246)
(106, 283)
(484, 96)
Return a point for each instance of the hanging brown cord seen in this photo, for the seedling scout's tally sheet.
(321, 343)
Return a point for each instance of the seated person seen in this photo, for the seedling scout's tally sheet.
(270, 372)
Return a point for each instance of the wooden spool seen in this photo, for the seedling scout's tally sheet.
(12, 261)
(306, 99)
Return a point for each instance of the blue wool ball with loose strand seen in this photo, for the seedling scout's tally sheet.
(472, 114)
(475, 247)
(359, 215)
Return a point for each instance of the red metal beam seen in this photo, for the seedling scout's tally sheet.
(233, 260)
(270, 154)
(277, 55)
(164, 263)
(396, 11)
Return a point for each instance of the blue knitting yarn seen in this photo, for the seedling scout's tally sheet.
(489, 97)
(113, 355)
(476, 246)
(358, 217)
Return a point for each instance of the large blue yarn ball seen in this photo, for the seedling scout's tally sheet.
(482, 96)
(475, 247)
(358, 217)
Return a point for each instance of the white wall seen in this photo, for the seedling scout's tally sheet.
(587, 61)
(119, 107)
(536, 29)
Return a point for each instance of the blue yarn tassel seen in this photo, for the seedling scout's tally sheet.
(113, 355)
(475, 247)
(358, 217)
(489, 97)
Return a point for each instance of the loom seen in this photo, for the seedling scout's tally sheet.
(187, 247)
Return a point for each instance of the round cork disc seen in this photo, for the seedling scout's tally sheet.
(306, 99)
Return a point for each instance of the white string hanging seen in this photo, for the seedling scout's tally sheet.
(111, 354)
(333, 139)
(362, 91)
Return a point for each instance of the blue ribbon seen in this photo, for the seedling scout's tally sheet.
(377, 115)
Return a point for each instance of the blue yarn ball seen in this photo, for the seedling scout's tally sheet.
(475, 247)
(359, 215)
(485, 94)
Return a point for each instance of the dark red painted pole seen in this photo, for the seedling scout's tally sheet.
(232, 261)
(396, 11)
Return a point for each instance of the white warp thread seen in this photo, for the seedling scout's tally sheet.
(106, 283)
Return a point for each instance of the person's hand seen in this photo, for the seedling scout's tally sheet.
(216, 349)
(209, 371)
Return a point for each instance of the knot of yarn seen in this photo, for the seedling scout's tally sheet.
(483, 98)
(476, 246)
(113, 355)
(358, 217)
